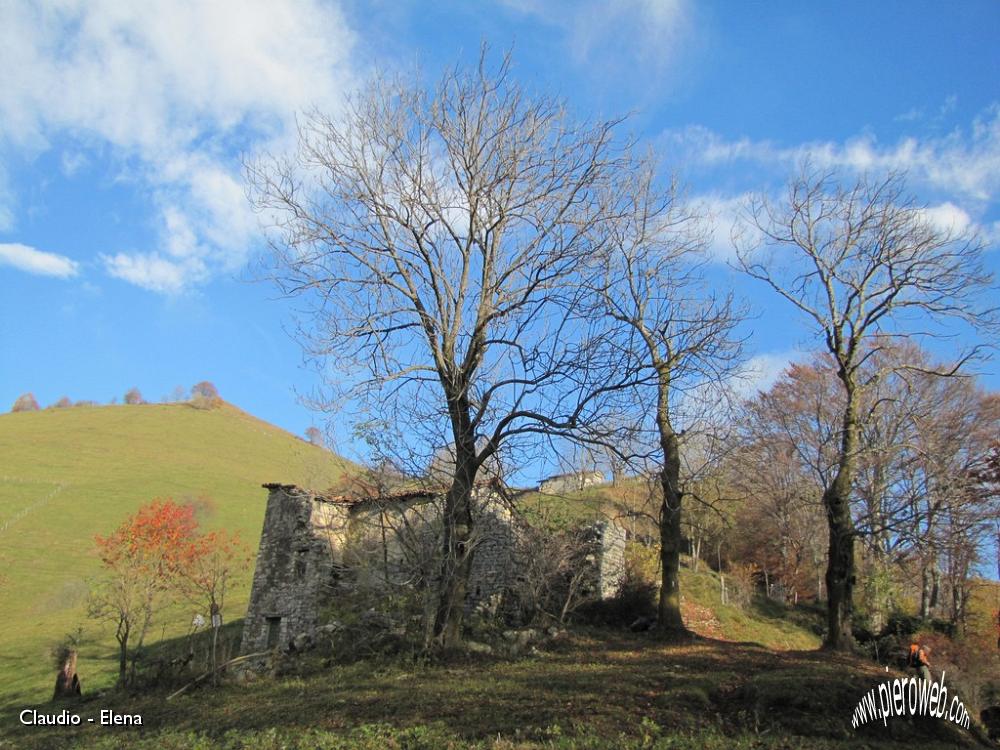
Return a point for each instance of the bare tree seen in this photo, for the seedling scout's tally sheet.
(860, 263)
(133, 396)
(436, 237)
(315, 437)
(680, 337)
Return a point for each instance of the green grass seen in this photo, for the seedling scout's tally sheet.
(762, 621)
(596, 689)
(584, 506)
(68, 474)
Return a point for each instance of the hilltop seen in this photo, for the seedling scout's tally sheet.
(68, 474)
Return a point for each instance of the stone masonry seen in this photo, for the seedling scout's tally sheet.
(563, 483)
(312, 545)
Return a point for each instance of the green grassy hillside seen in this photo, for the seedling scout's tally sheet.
(759, 621)
(68, 474)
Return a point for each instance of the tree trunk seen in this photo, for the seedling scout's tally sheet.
(122, 637)
(67, 682)
(935, 589)
(840, 572)
(216, 616)
(925, 591)
(670, 621)
(458, 550)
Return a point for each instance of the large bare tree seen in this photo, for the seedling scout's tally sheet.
(860, 262)
(437, 235)
(680, 338)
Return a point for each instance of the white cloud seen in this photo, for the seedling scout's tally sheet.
(153, 272)
(72, 162)
(6, 202)
(594, 28)
(964, 162)
(38, 262)
(723, 214)
(947, 217)
(762, 371)
(176, 90)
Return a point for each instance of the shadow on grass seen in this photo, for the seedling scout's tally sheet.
(606, 685)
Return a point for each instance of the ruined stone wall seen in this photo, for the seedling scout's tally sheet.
(564, 483)
(396, 542)
(493, 563)
(310, 547)
(606, 557)
(300, 554)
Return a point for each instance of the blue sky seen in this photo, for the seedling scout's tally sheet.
(126, 239)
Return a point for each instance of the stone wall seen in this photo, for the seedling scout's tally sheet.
(606, 556)
(298, 560)
(313, 546)
(563, 483)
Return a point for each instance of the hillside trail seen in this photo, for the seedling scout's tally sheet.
(32, 506)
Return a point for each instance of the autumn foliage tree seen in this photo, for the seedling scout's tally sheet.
(133, 397)
(153, 557)
(205, 395)
(140, 559)
(205, 389)
(25, 402)
(861, 263)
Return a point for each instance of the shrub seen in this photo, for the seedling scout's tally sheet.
(204, 389)
(203, 402)
(205, 395)
(62, 403)
(25, 402)
(133, 397)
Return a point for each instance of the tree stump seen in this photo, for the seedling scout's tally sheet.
(67, 681)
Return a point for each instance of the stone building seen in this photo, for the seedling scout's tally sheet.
(561, 483)
(315, 545)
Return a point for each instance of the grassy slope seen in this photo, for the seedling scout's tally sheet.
(595, 689)
(68, 474)
(764, 622)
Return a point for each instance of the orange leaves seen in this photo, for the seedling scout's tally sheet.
(154, 540)
(161, 541)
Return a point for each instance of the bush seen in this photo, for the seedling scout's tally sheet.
(205, 389)
(25, 402)
(62, 403)
(201, 402)
(205, 395)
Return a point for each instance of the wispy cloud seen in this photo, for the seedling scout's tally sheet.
(722, 214)
(30, 260)
(762, 371)
(153, 272)
(176, 94)
(965, 162)
(594, 29)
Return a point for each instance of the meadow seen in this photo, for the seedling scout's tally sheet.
(69, 474)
